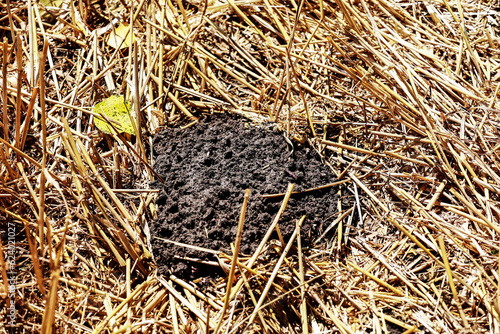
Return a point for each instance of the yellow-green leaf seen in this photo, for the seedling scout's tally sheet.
(117, 35)
(118, 111)
(52, 3)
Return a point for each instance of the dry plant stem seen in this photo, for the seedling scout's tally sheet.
(10, 15)
(215, 304)
(288, 193)
(129, 290)
(5, 292)
(230, 280)
(264, 306)
(173, 310)
(450, 280)
(180, 244)
(254, 301)
(29, 114)
(33, 54)
(263, 242)
(32, 245)
(435, 196)
(162, 48)
(185, 302)
(335, 222)
(376, 279)
(307, 190)
(137, 124)
(274, 273)
(479, 294)
(343, 328)
(303, 304)
(104, 323)
(52, 295)
(19, 61)
(179, 73)
(4, 92)
(41, 196)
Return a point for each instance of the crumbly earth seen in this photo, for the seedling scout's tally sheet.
(206, 169)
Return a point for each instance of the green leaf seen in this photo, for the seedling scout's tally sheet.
(118, 111)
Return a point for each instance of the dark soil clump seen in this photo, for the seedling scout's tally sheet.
(207, 168)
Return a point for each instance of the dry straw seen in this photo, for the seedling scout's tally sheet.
(399, 98)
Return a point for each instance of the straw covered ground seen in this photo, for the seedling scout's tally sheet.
(399, 98)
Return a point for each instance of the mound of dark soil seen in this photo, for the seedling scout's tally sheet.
(207, 168)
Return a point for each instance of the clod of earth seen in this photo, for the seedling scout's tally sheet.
(207, 168)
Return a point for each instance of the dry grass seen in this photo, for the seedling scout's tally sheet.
(399, 98)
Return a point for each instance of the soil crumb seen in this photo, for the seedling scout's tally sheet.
(207, 168)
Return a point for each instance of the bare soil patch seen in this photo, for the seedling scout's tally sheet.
(206, 169)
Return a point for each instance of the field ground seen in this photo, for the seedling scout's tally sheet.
(399, 100)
